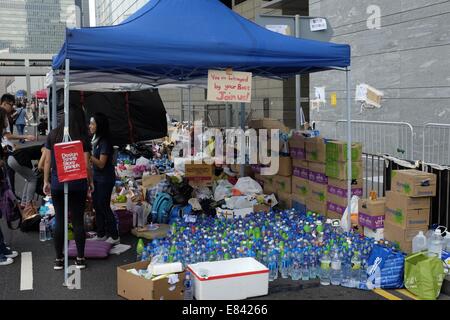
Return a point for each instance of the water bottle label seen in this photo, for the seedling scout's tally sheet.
(336, 265)
(325, 265)
(356, 265)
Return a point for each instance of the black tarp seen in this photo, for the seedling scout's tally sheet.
(133, 116)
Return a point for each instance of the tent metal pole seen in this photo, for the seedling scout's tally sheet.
(182, 105)
(243, 151)
(49, 122)
(189, 106)
(349, 148)
(66, 186)
(54, 119)
(298, 83)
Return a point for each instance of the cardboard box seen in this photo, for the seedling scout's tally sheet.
(232, 213)
(412, 218)
(316, 206)
(336, 150)
(402, 236)
(132, 287)
(300, 168)
(149, 181)
(333, 215)
(248, 169)
(315, 149)
(297, 146)
(372, 207)
(199, 171)
(337, 190)
(298, 204)
(284, 200)
(399, 200)
(335, 209)
(261, 208)
(285, 167)
(371, 222)
(268, 123)
(338, 170)
(282, 184)
(317, 173)
(318, 192)
(259, 178)
(414, 183)
(300, 188)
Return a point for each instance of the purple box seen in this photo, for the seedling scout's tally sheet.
(297, 153)
(343, 192)
(317, 177)
(336, 208)
(372, 222)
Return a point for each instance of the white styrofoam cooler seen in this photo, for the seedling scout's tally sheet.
(233, 279)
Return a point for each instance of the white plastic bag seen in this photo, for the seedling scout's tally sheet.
(142, 161)
(223, 190)
(238, 202)
(248, 186)
(354, 210)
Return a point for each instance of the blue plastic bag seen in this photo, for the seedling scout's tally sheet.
(385, 268)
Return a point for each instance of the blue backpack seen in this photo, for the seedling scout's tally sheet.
(161, 208)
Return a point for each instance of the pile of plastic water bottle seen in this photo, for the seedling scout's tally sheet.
(290, 244)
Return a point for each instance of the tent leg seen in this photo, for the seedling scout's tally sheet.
(298, 101)
(189, 106)
(349, 148)
(243, 151)
(54, 119)
(49, 122)
(66, 186)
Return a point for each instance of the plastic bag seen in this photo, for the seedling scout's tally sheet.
(386, 268)
(223, 190)
(424, 275)
(238, 202)
(354, 214)
(247, 186)
(142, 161)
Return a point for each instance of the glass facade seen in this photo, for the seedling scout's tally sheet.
(112, 12)
(35, 26)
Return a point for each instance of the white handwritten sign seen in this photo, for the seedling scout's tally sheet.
(229, 87)
(318, 24)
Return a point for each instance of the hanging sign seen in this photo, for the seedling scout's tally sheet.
(70, 162)
(318, 24)
(229, 86)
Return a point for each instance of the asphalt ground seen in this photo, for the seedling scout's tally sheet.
(99, 279)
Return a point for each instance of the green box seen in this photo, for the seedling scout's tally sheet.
(337, 151)
(338, 170)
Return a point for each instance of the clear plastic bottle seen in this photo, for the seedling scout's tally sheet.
(296, 268)
(285, 265)
(188, 287)
(42, 231)
(336, 269)
(435, 244)
(48, 230)
(347, 276)
(325, 262)
(419, 242)
(273, 267)
(356, 269)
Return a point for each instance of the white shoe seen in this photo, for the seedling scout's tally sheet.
(112, 241)
(6, 262)
(96, 238)
(12, 255)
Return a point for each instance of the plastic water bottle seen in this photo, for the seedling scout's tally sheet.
(139, 249)
(188, 287)
(273, 268)
(435, 244)
(305, 269)
(42, 231)
(285, 265)
(346, 276)
(419, 242)
(325, 269)
(336, 269)
(296, 268)
(356, 269)
(48, 230)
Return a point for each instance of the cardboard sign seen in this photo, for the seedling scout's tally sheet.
(229, 87)
(70, 162)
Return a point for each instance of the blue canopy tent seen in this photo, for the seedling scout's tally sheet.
(178, 41)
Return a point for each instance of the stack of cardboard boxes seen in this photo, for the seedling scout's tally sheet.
(371, 217)
(300, 171)
(281, 183)
(316, 200)
(336, 171)
(408, 206)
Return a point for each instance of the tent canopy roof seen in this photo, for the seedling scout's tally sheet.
(172, 41)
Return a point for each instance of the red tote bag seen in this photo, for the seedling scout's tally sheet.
(70, 162)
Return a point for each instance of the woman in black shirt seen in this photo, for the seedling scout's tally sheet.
(104, 179)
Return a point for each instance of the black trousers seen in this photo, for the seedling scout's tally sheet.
(77, 204)
(104, 217)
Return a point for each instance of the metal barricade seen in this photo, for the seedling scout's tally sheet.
(374, 174)
(380, 137)
(436, 143)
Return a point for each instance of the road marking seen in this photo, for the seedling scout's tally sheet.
(408, 294)
(386, 294)
(26, 272)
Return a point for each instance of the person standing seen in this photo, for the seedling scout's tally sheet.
(104, 179)
(19, 120)
(78, 189)
(6, 254)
